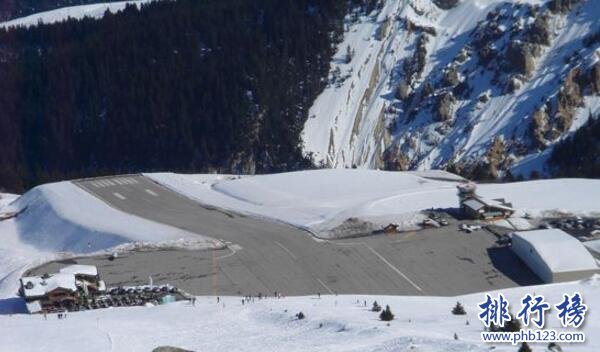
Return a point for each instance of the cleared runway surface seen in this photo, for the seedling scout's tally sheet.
(268, 256)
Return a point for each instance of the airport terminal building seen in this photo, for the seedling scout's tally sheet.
(554, 255)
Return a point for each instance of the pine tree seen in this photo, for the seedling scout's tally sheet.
(458, 309)
(387, 314)
(514, 325)
(524, 347)
(349, 54)
(300, 316)
(376, 307)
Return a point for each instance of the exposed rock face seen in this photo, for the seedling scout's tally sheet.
(402, 91)
(539, 128)
(443, 107)
(486, 54)
(395, 160)
(496, 155)
(446, 4)
(521, 57)
(569, 98)
(451, 78)
(412, 27)
(414, 68)
(562, 6)
(547, 129)
(595, 79)
(539, 33)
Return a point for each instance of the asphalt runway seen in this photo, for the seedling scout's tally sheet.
(268, 256)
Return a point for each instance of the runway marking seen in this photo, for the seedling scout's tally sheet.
(118, 181)
(394, 268)
(119, 195)
(109, 183)
(287, 250)
(326, 287)
(95, 184)
(151, 193)
(233, 249)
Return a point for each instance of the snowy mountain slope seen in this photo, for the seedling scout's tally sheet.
(485, 81)
(74, 12)
(332, 323)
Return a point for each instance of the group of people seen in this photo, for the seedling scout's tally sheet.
(59, 315)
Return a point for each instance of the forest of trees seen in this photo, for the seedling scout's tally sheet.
(10, 9)
(579, 155)
(194, 86)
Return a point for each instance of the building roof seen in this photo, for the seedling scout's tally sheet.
(474, 204)
(477, 203)
(34, 307)
(559, 250)
(40, 287)
(79, 269)
(492, 203)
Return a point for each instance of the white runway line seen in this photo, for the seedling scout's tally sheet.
(326, 287)
(287, 250)
(119, 195)
(109, 183)
(150, 192)
(394, 268)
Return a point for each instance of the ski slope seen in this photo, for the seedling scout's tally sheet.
(332, 323)
(72, 12)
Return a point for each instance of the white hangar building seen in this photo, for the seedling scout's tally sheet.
(554, 255)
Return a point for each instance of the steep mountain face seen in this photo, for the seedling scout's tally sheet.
(484, 88)
(10, 9)
(194, 86)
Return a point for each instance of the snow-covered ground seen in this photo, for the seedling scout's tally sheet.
(61, 219)
(332, 323)
(74, 12)
(320, 200)
(351, 120)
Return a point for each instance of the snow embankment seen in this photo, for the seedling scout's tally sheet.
(317, 200)
(332, 323)
(321, 200)
(62, 219)
(72, 12)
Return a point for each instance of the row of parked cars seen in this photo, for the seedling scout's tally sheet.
(577, 226)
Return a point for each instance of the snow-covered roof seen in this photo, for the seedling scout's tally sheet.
(494, 204)
(474, 204)
(559, 250)
(79, 269)
(40, 286)
(34, 307)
